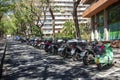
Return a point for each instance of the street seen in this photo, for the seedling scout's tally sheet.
(24, 62)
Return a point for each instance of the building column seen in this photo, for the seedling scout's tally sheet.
(106, 36)
(96, 31)
(92, 35)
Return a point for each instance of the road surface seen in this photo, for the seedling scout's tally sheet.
(24, 62)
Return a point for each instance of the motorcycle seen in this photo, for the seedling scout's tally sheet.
(90, 53)
(61, 49)
(104, 56)
(47, 46)
(41, 45)
(53, 48)
(78, 52)
(72, 49)
(64, 50)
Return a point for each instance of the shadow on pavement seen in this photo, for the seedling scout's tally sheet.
(25, 63)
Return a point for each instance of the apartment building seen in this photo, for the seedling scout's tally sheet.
(63, 12)
(105, 19)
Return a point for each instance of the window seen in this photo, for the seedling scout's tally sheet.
(114, 21)
(114, 13)
(100, 19)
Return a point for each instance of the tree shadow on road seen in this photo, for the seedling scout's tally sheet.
(22, 64)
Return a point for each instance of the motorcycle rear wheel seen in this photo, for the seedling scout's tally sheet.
(87, 60)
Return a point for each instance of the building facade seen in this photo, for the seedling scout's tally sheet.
(105, 19)
(63, 12)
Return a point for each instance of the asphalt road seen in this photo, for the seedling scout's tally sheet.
(23, 62)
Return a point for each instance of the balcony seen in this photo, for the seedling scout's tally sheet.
(97, 7)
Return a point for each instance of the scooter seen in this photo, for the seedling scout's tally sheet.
(104, 57)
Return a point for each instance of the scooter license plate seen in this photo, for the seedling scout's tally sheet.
(98, 61)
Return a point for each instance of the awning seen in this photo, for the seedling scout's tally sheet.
(97, 7)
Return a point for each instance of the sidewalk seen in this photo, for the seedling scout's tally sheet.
(116, 52)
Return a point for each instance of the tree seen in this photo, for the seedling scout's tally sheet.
(85, 32)
(53, 17)
(8, 24)
(39, 9)
(75, 19)
(36, 31)
(5, 6)
(29, 14)
(68, 29)
(20, 13)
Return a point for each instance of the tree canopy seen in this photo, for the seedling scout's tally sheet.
(27, 17)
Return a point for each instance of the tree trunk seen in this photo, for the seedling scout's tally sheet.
(39, 27)
(0, 18)
(1, 15)
(40, 22)
(75, 18)
(53, 18)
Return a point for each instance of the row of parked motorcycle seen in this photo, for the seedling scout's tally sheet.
(90, 53)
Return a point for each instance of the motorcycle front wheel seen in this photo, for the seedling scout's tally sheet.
(77, 56)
